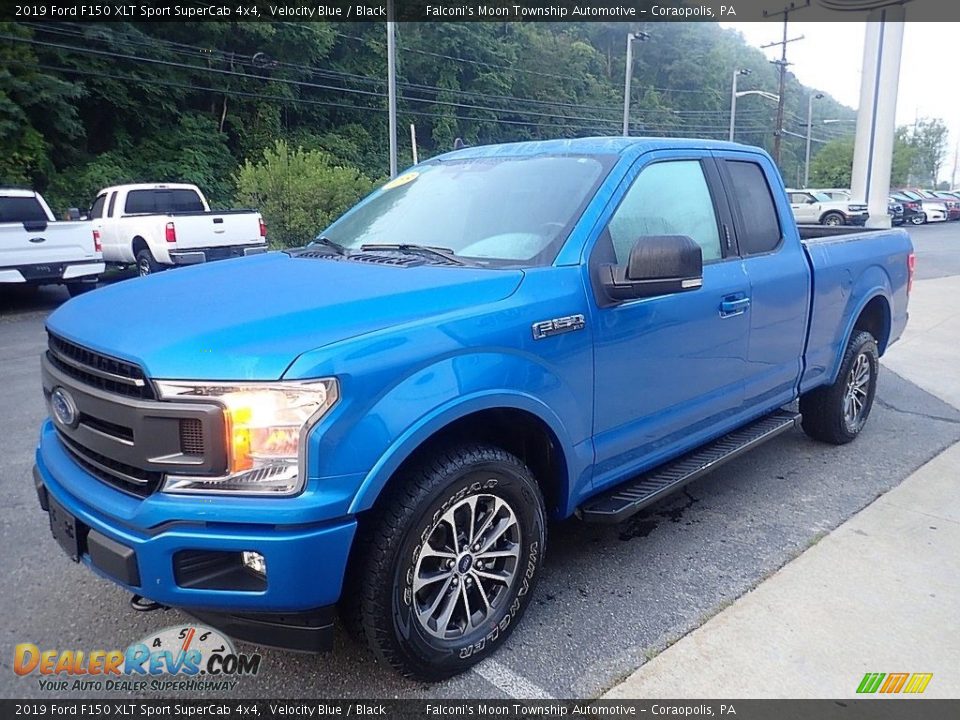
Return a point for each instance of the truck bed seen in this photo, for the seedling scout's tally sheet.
(850, 265)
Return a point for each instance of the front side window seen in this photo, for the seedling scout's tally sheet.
(667, 198)
(491, 210)
(97, 210)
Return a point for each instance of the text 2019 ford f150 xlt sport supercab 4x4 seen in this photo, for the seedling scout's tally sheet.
(385, 419)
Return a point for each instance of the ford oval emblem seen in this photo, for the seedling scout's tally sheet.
(64, 408)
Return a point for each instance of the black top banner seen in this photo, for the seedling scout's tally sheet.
(474, 10)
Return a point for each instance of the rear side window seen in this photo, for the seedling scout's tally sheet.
(162, 201)
(667, 198)
(760, 229)
(97, 210)
(21, 209)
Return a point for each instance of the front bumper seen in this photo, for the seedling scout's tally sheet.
(202, 255)
(164, 561)
(858, 220)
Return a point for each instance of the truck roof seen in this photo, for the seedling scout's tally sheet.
(595, 146)
(151, 186)
(17, 192)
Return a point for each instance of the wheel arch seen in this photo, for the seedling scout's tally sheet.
(517, 423)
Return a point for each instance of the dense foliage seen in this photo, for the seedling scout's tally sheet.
(85, 106)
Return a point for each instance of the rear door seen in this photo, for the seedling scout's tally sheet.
(780, 281)
(668, 370)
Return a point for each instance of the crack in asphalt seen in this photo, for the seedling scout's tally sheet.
(890, 406)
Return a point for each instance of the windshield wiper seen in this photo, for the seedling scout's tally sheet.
(327, 242)
(441, 252)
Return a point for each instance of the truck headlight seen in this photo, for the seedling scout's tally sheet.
(266, 429)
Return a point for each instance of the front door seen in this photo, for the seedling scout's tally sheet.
(669, 371)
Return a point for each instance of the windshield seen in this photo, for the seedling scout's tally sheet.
(503, 210)
(822, 197)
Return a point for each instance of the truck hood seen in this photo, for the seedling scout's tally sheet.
(249, 318)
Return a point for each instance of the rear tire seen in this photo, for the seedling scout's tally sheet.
(918, 219)
(837, 413)
(146, 265)
(444, 569)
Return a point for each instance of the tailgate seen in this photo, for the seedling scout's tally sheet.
(58, 242)
(213, 229)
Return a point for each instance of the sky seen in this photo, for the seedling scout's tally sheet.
(830, 56)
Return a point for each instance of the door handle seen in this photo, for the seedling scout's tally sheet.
(734, 306)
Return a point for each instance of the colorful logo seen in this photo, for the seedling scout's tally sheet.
(191, 657)
(892, 683)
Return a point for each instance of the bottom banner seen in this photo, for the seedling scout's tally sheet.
(877, 709)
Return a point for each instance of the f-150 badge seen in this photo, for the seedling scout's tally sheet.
(547, 328)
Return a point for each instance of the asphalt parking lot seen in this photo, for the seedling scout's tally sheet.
(609, 599)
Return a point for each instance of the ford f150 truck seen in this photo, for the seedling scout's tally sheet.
(35, 249)
(156, 226)
(385, 419)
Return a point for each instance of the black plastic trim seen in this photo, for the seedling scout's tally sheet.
(113, 558)
(309, 631)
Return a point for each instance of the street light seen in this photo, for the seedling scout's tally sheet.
(806, 164)
(733, 97)
(628, 75)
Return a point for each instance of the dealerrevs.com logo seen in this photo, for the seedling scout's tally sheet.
(191, 657)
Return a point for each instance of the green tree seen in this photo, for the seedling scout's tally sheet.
(929, 141)
(298, 191)
(832, 166)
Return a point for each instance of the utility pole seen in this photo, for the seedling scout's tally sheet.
(806, 163)
(628, 77)
(782, 66)
(392, 86)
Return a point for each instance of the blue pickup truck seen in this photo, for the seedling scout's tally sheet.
(383, 421)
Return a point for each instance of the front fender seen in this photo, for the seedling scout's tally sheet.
(375, 440)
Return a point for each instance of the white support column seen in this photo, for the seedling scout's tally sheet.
(876, 119)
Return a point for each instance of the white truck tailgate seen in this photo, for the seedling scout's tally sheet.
(210, 230)
(58, 242)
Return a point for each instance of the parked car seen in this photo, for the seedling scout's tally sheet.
(912, 209)
(934, 209)
(952, 201)
(157, 226)
(36, 249)
(386, 418)
(813, 208)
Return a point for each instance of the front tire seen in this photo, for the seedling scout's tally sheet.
(837, 413)
(833, 219)
(444, 570)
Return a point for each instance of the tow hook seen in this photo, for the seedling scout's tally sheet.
(142, 604)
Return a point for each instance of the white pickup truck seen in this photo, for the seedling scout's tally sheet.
(811, 207)
(35, 249)
(171, 224)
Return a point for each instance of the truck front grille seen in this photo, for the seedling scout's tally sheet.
(122, 434)
(100, 371)
(120, 475)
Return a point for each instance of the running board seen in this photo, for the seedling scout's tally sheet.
(621, 502)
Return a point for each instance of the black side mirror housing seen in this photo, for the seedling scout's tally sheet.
(658, 265)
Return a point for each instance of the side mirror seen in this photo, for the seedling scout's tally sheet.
(658, 265)
(811, 201)
(73, 214)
